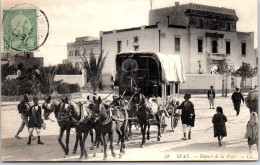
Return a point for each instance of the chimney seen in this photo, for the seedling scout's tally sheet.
(177, 3)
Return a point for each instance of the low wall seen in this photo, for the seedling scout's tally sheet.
(200, 83)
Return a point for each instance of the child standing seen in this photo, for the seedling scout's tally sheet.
(35, 120)
(219, 120)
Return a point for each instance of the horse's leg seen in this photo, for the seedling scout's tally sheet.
(148, 130)
(67, 141)
(105, 145)
(97, 142)
(143, 133)
(159, 128)
(119, 136)
(130, 129)
(92, 140)
(60, 139)
(145, 126)
(77, 141)
(83, 143)
(123, 130)
(111, 143)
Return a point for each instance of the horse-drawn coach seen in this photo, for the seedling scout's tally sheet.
(154, 76)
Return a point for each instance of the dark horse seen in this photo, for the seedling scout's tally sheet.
(62, 113)
(110, 119)
(84, 125)
(147, 109)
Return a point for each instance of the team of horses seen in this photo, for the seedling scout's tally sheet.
(106, 118)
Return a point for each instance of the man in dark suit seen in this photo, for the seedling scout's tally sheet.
(211, 97)
(236, 98)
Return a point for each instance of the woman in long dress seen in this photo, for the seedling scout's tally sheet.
(252, 130)
(219, 120)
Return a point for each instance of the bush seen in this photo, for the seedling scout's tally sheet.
(19, 86)
(74, 88)
(68, 88)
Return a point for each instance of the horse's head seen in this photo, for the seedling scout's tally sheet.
(98, 108)
(138, 99)
(64, 107)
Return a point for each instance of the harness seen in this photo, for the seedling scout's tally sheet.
(110, 116)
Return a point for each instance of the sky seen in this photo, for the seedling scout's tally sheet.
(69, 19)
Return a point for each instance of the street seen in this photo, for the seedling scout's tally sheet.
(203, 146)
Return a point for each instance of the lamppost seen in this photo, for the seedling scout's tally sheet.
(199, 62)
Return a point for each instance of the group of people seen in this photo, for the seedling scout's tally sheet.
(31, 118)
(219, 119)
(236, 97)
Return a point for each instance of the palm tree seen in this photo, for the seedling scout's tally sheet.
(46, 79)
(93, 68)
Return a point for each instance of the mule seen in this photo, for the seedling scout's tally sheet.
(110, 119)
(147, 109)
(83, 124)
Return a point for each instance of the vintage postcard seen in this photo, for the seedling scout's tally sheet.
(124, 80)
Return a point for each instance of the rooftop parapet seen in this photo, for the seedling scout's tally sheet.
(198, 7)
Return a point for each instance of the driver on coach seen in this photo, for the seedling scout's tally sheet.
(130, 67)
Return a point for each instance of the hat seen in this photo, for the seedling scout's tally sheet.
(187, 95)
(35, 98)
(49, 97)
(26, 98)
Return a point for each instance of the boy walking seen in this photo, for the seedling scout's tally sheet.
(35, 120)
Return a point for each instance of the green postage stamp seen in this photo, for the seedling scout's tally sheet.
(20, 29)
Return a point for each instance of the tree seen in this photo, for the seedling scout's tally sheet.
(225, 70)
(7, 70)
(245, 71)
(93, 68)
(46, 79)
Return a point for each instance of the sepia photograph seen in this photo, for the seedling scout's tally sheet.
(129, 80)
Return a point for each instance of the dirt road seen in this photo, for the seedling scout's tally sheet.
(202, 146)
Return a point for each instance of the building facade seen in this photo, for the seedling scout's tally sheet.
(82, 46)
(201, 35)
(26, 58)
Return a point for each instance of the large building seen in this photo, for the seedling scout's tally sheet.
(26, 58)
(82, 46)
(202, 35)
